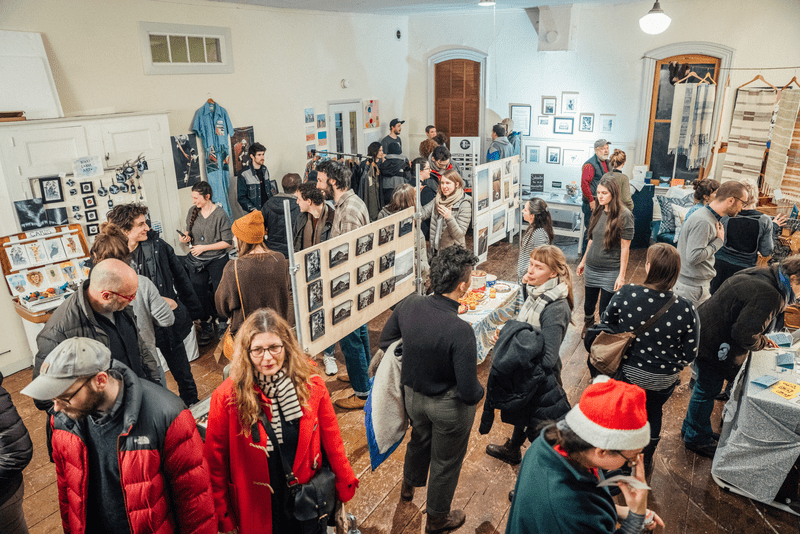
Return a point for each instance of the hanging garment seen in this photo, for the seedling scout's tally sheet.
(749, 134)
(784, 147)
(212, 124)
(690, 129)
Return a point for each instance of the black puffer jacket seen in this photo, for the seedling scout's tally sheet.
(519, 385)
(157, 260)
(275, 223)
(16, 449)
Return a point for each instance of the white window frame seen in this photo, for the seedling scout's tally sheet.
(146, 29)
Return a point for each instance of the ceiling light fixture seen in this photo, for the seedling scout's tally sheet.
(656, 21)
(486, 3)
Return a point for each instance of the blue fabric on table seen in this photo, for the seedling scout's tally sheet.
(667, 215)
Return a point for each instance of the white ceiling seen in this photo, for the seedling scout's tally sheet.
(411, 7)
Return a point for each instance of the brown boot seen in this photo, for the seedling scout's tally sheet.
(505, 452)
(588, 321)
(442, 523)
(406, 491)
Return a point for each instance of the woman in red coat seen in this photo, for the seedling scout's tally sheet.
(270, 373)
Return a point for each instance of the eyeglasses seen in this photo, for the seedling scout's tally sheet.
(129, 298)
(740, 200)
(258, 352)
(67, 401)
(631, 461)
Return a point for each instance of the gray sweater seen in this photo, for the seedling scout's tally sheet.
(149, 309)
(600, 258)
(697, 245)
(209, 230)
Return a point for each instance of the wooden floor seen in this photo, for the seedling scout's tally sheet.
(683, 492)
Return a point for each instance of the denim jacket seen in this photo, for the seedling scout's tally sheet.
(248, 190)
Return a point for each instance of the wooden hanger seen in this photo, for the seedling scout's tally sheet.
(691, 73)
(758, 77)
(792, 81)
(708, 79)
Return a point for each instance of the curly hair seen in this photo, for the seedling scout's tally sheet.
(337, 172)
(704, 188)
(427, 147)
(123, 215)
(110, 243)
(310, 192)
(451, 267)
(295, 364)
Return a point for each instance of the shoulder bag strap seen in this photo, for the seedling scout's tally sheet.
(291, 480)
(239, 289)
(650, 322)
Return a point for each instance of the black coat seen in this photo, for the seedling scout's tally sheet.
(519, 385)
(16, 449)
(275, 224)
(741, 311)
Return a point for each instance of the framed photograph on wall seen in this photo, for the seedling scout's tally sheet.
(51, 189)
(607, 123)
(554, 155)
(563, 125)
(544, 121)
(521, 115)
(532, 154)
(569, 102)
(586, 122)
(549, 105)
(573, 157)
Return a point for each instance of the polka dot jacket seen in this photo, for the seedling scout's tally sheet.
(656, 357)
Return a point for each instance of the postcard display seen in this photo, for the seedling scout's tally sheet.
(495, 203)
(346, 281)
(465, 152)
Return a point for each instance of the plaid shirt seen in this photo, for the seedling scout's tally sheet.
(351, 214)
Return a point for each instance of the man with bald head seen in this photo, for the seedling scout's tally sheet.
(100, 310)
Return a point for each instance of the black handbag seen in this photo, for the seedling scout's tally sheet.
(315, 500)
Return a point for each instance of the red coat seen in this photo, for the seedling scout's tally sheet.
(239, 469)
(161, 466)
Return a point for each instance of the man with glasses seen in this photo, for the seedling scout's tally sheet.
(127, 452)
(100, 310)
(701, 237)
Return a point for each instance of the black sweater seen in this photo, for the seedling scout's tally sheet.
(439, 349)
(16, 449)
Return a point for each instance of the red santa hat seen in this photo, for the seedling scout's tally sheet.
(611, 415)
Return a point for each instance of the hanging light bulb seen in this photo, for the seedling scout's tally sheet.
(486, 3)
(656, 21)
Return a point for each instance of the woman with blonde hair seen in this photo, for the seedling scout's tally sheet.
(271, 383)
(616, 162)
(450, 213)
(525, 379)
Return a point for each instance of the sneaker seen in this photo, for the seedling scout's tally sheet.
(351, 403)
(330, 365)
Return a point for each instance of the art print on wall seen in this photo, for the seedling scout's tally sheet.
(89, 202)
(309, 114)
(339, 255)
(553, 155)
(364, 244)
(317, 322)
(322, 138)
(365, 272)
(242, 139)
(310, 151)
(17, 257)
(321, 120)
(371, 114)
(314, 295)
(92, 229)
(31, 214)
(51, 190)
(385, 235)
(387, 261)
(87, 187)
(311, 134)
(607, 123)
(91, 215)
(549, 105)
(532, 154)
(187, 161)
(544, 121)
(366, 298)
(496, 184)
(406, 227)
(56, 216)
(313, 265)
(340, 284)
(483, 240)
(586, 123)
(483, 189)
(342, 311)
(569, 102)
(572, 157)
(563, 125)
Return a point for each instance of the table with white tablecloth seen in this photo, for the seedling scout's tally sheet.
(492, 313)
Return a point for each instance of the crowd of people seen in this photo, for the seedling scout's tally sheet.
(128, 454)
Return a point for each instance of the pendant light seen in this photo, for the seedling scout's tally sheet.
(486, 3)
(656, 21)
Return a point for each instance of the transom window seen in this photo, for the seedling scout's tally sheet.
(185, 49)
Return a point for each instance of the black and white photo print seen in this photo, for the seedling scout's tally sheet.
(366, 298)
(317, 323)
(365, 272)
(340, 284)
(339, 255)
(387, 261)
(387, 287)
(313, 270)
(385, 234)
(51, 189)
(314, 295)
(364, 244)
(406, 226)
(342, 311)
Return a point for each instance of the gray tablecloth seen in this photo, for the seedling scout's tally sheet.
(760, 439)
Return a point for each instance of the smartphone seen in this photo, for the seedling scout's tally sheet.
(182, 234)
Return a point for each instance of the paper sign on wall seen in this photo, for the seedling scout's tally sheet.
(87, 167)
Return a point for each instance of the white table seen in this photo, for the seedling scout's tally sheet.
(562, 202)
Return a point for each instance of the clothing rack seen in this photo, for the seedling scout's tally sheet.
(336, 154)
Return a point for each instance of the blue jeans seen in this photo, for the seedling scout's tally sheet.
(219, 186)
(697, 424)
(355, 347)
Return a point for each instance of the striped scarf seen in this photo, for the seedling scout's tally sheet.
(279, 389)
(690, 124)
(747, 141)
(785, 139)
(539, 297)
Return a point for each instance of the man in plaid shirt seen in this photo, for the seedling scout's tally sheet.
(351, 214)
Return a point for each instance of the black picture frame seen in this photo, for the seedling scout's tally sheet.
(387, 287)
(365, 272)
(366, 298)
(91, 215)
(406, 227)
(92, 229)
(339, 255)
(87, 187)
(364, 244)
(340, 284)
(51, 190)
(316, 323)
(89, 202)
(553, 155)
(313, 265)
(315, 298)
(386, 235)
(342, 311)
(387, 261)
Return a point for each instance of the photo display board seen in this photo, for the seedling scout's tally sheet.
(495, 203)
(349, 280)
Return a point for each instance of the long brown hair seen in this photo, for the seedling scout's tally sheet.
(295, 364)
(614, 221)
(111, 242)
(403, 197)
(204, 188)
(554, 258)
(665, 266)
(541, 217)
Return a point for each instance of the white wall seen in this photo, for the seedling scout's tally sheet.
(606, 66)
(285, 61)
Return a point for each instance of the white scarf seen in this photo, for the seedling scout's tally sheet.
(539, 297)
(279, 388)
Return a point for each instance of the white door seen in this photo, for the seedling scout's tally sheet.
(344, 129)
(126, 139)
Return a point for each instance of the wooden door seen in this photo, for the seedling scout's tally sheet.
(458, 97)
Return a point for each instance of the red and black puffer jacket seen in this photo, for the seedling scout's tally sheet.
(164, 475)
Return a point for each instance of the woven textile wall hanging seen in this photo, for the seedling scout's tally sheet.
(783, 161)
(747, 142)
(690, 124)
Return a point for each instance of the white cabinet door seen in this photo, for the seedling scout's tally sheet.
(125, 140)
(30, 153)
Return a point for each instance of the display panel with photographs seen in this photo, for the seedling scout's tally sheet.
(385, 234)
(387, 287)
(313, 267)
(406, 227)
(364, 244)
(387, 261)
(315, 295)
(340, 284)
(342, 311)
(366, 298)
(317, 324)
(339, 255)
(365, 272)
